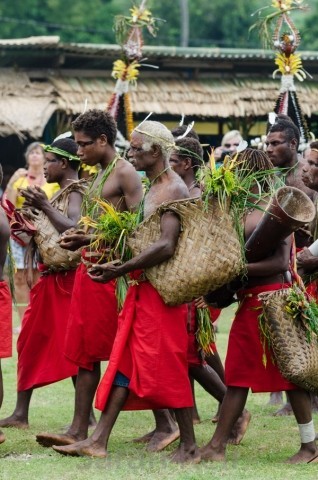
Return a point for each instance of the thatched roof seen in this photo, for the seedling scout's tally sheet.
(42, 75)
(27, 105)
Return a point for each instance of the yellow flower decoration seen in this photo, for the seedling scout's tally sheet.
(143, 15)
(123, 71)
(282, 4)
(90, 169)
(291, 65)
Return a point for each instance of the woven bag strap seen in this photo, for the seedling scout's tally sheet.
(296, 278)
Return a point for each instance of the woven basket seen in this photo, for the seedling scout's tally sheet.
(208, 253)
(296, 359)
(52, 255)
(46, 236)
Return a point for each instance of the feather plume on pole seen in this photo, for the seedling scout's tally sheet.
(278, 30)
(128, 30)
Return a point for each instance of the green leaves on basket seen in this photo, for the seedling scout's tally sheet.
(303, 309)
(111, 230)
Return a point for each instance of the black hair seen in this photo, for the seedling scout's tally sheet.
(284, 124)
(190, 147)
(252, 160)
(178, 131)
(1, 174)
(95, 123)
(70, 146)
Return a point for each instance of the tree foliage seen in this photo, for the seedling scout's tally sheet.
(309, 30)
(217, 23)
(222, 23)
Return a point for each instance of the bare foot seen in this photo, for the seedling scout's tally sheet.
(14, 422)
(145, 438)
(305, 455)
(2, 437)
(210, 454)
(160, 440)
(284, 411)
(313, 460)
(239, 428)
(86, 447)
(215, 418)
(49, 439)
(183, 455)
(276, 398)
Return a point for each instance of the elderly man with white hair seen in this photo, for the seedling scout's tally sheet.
(148, 366)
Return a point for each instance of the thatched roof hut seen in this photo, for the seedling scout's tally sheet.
(43, 80)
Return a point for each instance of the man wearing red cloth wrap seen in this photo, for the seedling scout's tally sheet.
(206, 369)
(41, 342)
(93, 316)
(244, 368)
(148, 366)
(282, 144)
(5, 300)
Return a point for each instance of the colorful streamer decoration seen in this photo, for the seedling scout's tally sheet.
(285, 39)
(128, 30)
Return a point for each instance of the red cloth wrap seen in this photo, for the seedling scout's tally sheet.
(312, 289)
(92, 322)
(41, 342)
(243, 364)
(150, 348)
(5, 321)
(194, 357)
(215, 313)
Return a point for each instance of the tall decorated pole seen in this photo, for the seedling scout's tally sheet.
(279, 31)
(128, 30)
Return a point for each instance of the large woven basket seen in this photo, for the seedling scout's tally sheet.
(46, 236)
(52, 255)
(296, 358)
(208, 253)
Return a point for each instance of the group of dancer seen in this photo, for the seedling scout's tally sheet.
(73, 322)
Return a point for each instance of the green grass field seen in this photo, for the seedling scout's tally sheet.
(268, 442)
